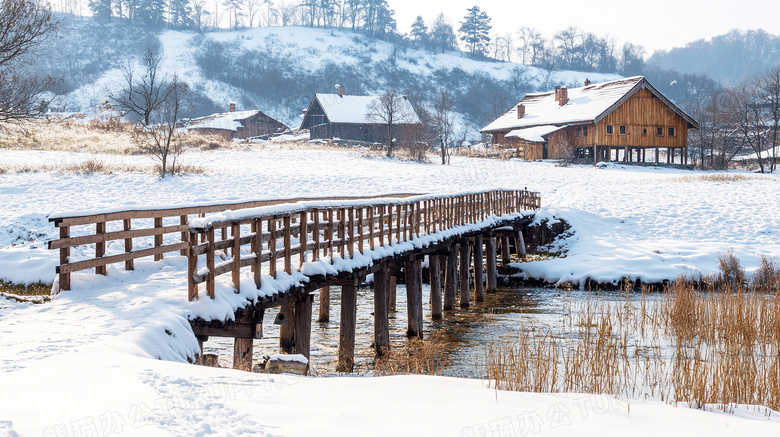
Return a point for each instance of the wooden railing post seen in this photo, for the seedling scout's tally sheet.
(127, 225)
(192, 269)
(64, 259)
(185, 235)
(315, 233)
(287, 243)
(257, 244)
(158, 238)
(351, 233)
(236, 231)
(371, 227)
(210, 263)
(329, 234)
(302, 236)
(100, 247)
(360, 229)
(272, 246)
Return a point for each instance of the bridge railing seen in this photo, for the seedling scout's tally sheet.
(139, 233)
(288, 236)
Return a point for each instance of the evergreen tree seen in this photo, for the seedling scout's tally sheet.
(150, 13)
(101, 9)
(419, 30)
(378, 18)
(180, 14)
(442, 34)
(475, 31)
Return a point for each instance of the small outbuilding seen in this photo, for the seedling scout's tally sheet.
(343, 117)
(618, 120)
(237, 124)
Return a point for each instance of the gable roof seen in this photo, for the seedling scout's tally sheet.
(356, 109)
(534, 134)
(588, 104)
(225, 121)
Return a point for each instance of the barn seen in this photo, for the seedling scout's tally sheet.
(623, 120)
(344, 117)
(237, 124)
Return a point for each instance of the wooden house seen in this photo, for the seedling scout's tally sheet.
(617, 120)
(343, 117)
(237, 124)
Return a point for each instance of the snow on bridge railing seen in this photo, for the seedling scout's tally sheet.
(156, 230)
(331, 230)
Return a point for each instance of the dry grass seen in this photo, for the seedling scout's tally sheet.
(713, 342)
(417, 357)
(92, 166)
(716, 177)
(35, 289)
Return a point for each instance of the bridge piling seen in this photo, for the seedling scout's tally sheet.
(479, 277)
(520, 242)
(391, 291)
(324, 312)
(463, 283)
(287, 329)
(505, 249)
(347, 328)
(242, 354)
(490, 264)
(451, 278)
(413, 298)
(434, 267)
(381, 322)
(302, 326)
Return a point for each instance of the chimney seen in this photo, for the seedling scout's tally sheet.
(520, 111)
(587, 82)
(557, 94)
(232, 107)
(341, 91)
(563, 96)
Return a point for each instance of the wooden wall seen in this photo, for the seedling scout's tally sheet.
(643, 111)
(259, 124)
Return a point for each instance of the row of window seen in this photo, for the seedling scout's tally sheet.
(659, 130)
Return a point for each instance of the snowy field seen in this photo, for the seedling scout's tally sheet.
(87, 363)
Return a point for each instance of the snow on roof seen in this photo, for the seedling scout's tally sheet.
(356, 109)
(225, 121)
(585, 104)
(534, 134)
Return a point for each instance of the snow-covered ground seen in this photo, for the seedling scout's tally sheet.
(108, 357)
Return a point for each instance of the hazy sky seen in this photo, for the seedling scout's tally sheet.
(657, 24)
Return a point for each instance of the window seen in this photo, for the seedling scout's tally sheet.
(660, 131)
(609, 129)
(671, 131)
(578, 131)
(644, 131)
(622, 130)
(585, 131)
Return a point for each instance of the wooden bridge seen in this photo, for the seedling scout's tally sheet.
(324, 242)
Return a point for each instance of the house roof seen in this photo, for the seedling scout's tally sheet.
(534, 134)
(225, 121)
(356, 109)
(588, 104)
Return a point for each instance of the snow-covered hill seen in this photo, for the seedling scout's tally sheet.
(279, 69)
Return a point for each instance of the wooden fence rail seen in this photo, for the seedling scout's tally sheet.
(291, 237)
(125, 220)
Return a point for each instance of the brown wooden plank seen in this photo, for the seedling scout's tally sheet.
(64, 276)
(287, 245)
(158, 238)
(119, 235)
(346, 361)
(96, 262)
(127, 225)
(236, 265)
(100, 248)
(192, 271)
(210, 263)
(302, 237)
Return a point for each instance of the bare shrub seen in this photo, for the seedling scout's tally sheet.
(767, 277)
(731, 272)
(418, 357)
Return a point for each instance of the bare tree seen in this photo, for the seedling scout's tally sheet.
(769, 87)
(24, 26)
(443, 120)
(390, 108)
(161, 138)
(747, 114)
(142, 93)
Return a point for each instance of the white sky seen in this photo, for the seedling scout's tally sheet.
(658, 24)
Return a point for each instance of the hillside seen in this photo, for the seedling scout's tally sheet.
(278, 69)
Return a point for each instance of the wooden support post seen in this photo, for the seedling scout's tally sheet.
(287, 329)
(490, 265)
(520, 242)
(413, 299)
(100, 248)
(463, 277)
(287, 245)
(329, 235)
(342, 231)
(158, 239)
(434, 266)
(347, 327)
(316, 235)
(381, 321)
(64, 258)
(272, 246)
(479, 277)
(257, 244)
(505, 249)
(302, 237)
(242, 354)
(657, 155)
(451, 279)
(324, 314)
(211, 278)
(371, 227)
(192, 270)
(185, 235)
(236, 270)
(360, 234)
(391, 293)
(224, 237)
(127, 225)
(302, 324)
(351, 247)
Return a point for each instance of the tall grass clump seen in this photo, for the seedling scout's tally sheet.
(713, 341)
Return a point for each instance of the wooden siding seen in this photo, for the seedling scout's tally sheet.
(643, 111)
